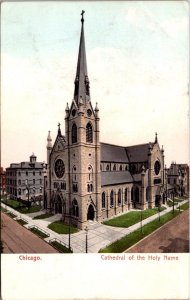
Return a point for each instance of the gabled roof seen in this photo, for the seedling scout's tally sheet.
(115, 177)
(138, 153)
(113, 153)
(120, 154)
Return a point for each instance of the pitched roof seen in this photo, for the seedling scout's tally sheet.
(113, 153)
(138, 153)
(131, 154)
(115, 177)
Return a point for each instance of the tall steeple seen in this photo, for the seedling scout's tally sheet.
(82, 89)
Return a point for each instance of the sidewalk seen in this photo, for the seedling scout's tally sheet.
(99, 235)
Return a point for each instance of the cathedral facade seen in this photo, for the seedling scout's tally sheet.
(90, 180)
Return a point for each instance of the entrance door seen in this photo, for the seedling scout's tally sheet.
(90, 214)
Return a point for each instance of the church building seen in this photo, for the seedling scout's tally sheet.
(91, 180)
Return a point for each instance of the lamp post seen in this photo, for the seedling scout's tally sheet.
(159, 211)
(173, 201)
(69, 228)
(28, 190)
(86, 229)
(141, 219)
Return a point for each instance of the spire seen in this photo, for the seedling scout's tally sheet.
(156, 138)
(81, 80)
(49, 140)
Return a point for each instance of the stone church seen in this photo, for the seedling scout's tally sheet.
(91, 180)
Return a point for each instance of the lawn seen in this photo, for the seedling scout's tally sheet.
(131, 218)
(131, 239)
(32, 209)
(12, 203)
(43, 216)
(184, 206)
(61, 248)
(20, 207)
(39, 232)
(62, 228)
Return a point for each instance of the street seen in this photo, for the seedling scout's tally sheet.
(17, 239)
(172, 237)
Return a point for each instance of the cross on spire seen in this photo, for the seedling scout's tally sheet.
(82, 20)
(59, 130)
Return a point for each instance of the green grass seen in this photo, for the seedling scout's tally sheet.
(39, 232)
(131, 239)
(22, 222)
(62, 228)
(184, 206)
(61, 248)
(43, 216)
(12, 203)
(32, 209)
(131, 218)
(11, 215)
(170, 203)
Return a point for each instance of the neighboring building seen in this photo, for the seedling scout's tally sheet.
(178, 178)
(25, 176)
(90, 180)
(2, 181)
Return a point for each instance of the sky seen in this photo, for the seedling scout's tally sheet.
(138, 67)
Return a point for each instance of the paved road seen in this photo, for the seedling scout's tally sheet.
(172, 237)
(17, 239)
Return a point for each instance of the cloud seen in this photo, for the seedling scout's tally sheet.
(142, 16)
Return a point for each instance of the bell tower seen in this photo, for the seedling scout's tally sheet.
(83, 146)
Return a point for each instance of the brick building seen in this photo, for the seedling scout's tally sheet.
(23, 177)
(2, 181)
(178, 178)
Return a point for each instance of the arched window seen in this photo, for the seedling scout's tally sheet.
(111, 199)
(90, 173)
(120, 168)
(74, 133)
(126, 168)
(89, 133)
(114, 167)
(75, 208)
(103, 200)
(107, 168)
(137, 194)
(126, 191)
(119, 197)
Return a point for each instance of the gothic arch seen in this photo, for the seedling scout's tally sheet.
(103, 200)
(74, 133)
(89, 133)
(91, 212)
